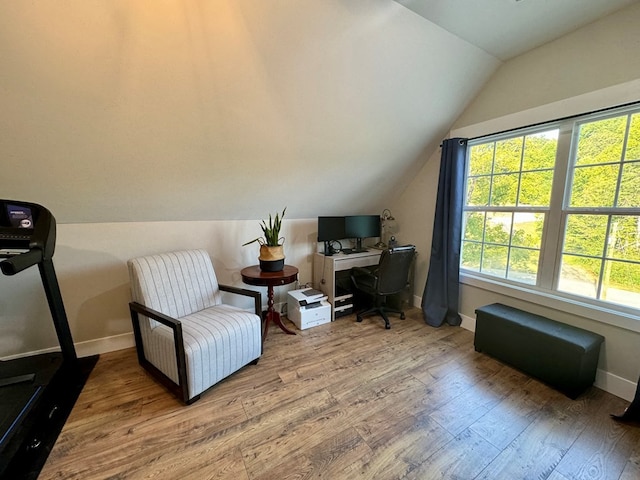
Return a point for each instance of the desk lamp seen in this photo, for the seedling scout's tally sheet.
(389, 226)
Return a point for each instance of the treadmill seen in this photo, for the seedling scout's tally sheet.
(37, 392)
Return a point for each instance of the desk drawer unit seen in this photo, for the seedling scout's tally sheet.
(348, 263)
(331, 275)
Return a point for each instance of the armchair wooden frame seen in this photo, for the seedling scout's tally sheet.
(180, 389)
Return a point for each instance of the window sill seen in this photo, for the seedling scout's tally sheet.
(556, 300)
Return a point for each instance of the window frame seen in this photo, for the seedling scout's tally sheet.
(545, 289)
(523, 132)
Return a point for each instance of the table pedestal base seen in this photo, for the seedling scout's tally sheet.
(274, 317)
(255, 276)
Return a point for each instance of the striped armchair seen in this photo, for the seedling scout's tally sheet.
(185, 336)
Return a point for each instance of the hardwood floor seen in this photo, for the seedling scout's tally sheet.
(346, 400)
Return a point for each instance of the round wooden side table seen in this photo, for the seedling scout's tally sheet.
(254, 276)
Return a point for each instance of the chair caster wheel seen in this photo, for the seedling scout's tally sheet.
(358, 318)
(402, 317)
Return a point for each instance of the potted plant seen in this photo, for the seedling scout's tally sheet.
(271, 244)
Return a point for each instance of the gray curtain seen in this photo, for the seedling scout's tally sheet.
(440, 297)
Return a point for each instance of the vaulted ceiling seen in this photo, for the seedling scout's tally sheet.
(227, 109)
(506, 28)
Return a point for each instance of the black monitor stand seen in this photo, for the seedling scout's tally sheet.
(358, 248)
(37, 392)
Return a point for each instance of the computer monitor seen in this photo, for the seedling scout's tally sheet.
(362, 226)
(330, 228)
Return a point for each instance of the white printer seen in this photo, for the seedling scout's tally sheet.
(308, 308)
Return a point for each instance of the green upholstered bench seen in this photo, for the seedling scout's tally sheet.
(560, 355)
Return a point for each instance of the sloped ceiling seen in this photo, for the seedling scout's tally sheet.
(506, 28)
(224, 109)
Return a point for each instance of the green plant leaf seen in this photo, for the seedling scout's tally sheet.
(271, 231)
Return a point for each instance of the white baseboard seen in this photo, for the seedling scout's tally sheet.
(468, 323)
(618, 386)
(615, 385)
(89, 348)
(104, 345)
(29, 354)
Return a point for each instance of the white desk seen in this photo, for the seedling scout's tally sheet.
(330, 272)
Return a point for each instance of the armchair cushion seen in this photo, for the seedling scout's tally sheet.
(184, 334)
(175, 283)
(218, 341)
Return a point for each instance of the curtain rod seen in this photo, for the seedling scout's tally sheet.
(560, 119)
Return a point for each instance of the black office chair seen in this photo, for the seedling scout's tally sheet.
(391, 276)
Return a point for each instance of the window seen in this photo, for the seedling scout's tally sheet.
(556, 208)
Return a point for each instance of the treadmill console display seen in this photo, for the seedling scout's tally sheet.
(19, 216)
(27, 235)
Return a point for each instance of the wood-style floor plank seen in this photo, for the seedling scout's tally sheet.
(602, 450)
(464, 457)
(632, 468)
(346, 400)
(504, 423)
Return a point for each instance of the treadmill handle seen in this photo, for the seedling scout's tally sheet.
(17, 263)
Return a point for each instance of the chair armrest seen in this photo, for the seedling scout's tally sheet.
(136, 308)
(257, 296)
(364, 278)
(154, 314)
(364, 271)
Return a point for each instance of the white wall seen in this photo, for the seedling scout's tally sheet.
(90, 262)
(106, 106)
(205, 116)
(592, 58)
(594, 67)
(145, 110)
